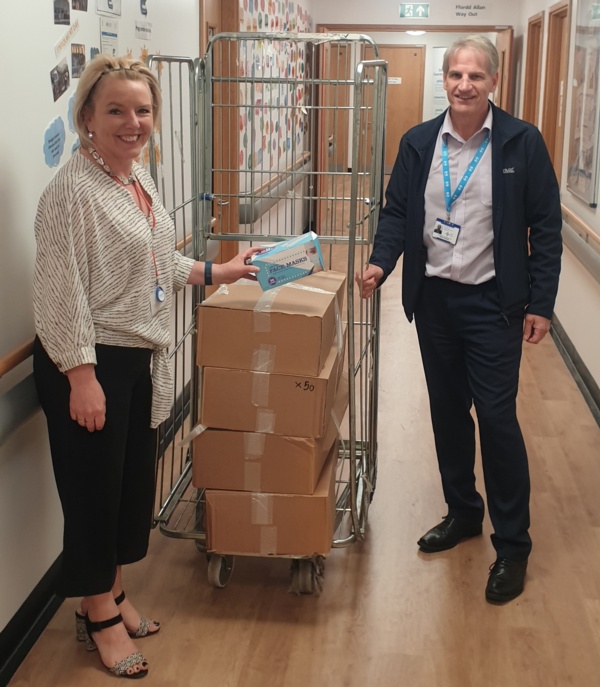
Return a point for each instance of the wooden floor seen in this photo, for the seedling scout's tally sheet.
(388, 616)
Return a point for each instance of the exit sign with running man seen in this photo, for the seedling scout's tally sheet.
(414, 10)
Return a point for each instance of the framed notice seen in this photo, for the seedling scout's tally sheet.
(109, 7)
(583, 160)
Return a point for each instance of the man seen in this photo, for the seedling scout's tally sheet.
(473, 203)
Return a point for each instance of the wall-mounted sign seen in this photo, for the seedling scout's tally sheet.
(54, 142)
(414, 10)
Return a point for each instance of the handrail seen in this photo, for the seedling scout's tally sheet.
(16, 357)
(275, 180)
(256, 202)
(187, 239)
(589, 235)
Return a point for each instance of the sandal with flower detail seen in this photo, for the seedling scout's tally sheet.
(82, 633)
(121, 667)
(144, 626)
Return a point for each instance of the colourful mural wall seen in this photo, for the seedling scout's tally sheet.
(272, 126)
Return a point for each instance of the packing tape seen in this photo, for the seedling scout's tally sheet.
(260, 389)
(188, 438)
(262, 509)
(339, 329)
(261, 322)
(268, 540)
(254, 445)
(265, 421)
(223, 289)
(337, 422)
(262, 318)
(263, 358)
(303, 287)
(252, 474)
(265, 302)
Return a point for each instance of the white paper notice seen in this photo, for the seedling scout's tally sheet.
(143, 30)
(109, 7)
(109, 36)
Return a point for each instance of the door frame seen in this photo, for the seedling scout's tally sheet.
(555, 90)
(533, 68)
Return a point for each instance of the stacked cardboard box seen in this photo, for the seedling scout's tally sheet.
(273, 395)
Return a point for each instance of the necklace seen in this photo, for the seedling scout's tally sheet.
(124, 180)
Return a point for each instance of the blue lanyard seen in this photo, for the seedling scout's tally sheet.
(450, 198)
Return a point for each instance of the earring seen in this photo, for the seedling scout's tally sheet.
(90, 134)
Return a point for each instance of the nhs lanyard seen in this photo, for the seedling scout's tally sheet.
(451, 197)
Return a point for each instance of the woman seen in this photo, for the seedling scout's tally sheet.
(105, 274)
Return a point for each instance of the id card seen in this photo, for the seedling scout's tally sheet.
(446, 231)
(157, 300)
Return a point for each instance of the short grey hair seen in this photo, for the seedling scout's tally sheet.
(474, 42)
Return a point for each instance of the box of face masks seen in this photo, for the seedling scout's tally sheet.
(287, 261)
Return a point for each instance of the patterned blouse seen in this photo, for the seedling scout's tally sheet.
(95, 275)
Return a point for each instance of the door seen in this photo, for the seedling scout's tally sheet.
(504, 42)
(555, 84)
(404, 104)
(533, 69)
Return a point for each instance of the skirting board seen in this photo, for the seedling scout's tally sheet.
(580, 373)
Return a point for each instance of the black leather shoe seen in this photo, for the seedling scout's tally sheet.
(507, 580)
(448, 534)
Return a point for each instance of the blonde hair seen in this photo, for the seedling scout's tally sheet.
(474, 42)
(108, 67)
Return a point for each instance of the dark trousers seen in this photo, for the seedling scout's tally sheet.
(471, 353)
(105, 478)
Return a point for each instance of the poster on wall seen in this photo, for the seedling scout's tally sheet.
(80, 5)
(62, 12)
(109, 36)
(60, 79)
(440, 101)
(111, 7)
(77, 59)
(582, 170)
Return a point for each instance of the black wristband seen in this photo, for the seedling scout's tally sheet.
(208, 273)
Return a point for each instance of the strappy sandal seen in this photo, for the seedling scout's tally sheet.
(120, 668)
(144, 626)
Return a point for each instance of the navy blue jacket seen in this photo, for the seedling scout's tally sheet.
(527, 216)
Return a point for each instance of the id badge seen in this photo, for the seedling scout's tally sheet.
(157, 300)
(446, 231)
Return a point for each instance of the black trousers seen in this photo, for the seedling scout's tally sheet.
(105, 478)
(471, 353)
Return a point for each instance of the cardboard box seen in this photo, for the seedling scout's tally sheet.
(289, 405)
(240, 327)
(250, 461)
(287, 261)
(262, 524)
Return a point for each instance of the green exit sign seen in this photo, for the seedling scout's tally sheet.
(414, 10)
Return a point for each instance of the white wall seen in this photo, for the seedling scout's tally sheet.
(30, 518)
(441, 12)
(578, 303)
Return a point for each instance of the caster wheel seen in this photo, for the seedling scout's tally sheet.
(220, 569)
(307, 575)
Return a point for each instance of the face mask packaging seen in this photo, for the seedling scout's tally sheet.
(286, 261)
